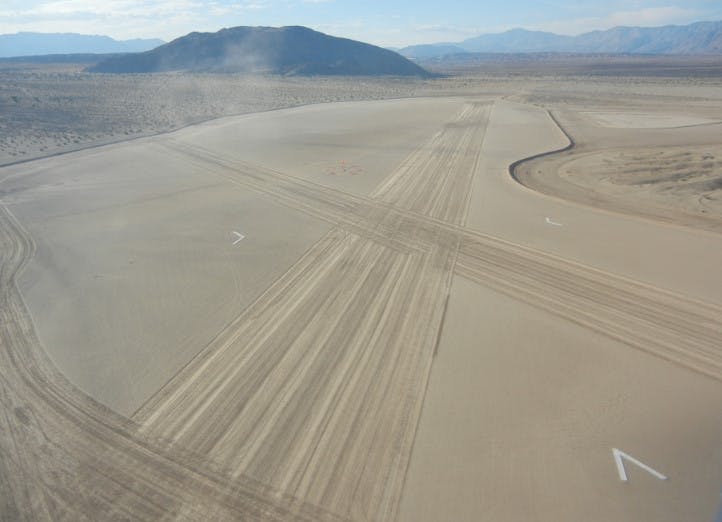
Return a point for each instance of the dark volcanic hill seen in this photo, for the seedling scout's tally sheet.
(284, 50)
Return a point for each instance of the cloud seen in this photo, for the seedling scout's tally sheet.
(646, 17)
(104, 8)
(125, 18)
(67, 9)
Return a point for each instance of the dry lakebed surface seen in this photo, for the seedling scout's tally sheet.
(477, 297)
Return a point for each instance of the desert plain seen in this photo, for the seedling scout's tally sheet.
(340, 299)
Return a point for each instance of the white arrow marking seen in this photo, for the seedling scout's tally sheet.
(549, 220)
(619, 455)
(241, 237)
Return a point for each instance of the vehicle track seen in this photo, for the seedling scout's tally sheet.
(317, 388)
(66, 457)
(305, 407)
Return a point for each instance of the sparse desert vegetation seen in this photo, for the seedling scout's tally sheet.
(57, 110)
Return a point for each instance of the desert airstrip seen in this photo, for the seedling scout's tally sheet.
(494, 299)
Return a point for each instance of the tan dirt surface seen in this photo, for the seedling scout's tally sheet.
(416, 336)
(523, 411)
(660, 165)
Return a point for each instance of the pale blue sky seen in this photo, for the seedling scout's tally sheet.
(388, 23)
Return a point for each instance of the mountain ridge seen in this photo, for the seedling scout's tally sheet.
(697, 38)
(37, 44)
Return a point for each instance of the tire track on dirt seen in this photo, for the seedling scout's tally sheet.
(318, 387)
(306, 406)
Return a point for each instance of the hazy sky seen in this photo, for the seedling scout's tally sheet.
(388, 23)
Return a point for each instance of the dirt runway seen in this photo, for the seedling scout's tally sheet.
(306, 406)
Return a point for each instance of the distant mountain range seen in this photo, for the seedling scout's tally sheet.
(698, 38)
(302, 51)
(36, 44)
(284, 50)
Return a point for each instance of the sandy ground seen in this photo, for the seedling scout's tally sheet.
(615, 242)
(291, 398)
(685, 178)
(432, 341)
(656, 160)
(135, 243)
(135, 265)
(346, 146)
(523, 411)
(631, 120)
